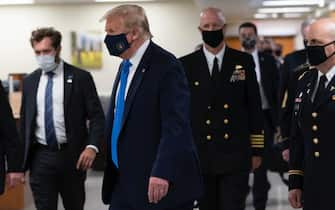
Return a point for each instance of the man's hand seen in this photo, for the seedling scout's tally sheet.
(86, 159)
(286, 155)
(294, 197)
(158, 189)
(256, 162)
(13, 179)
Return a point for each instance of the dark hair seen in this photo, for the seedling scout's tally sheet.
(40, 33)
(248, 25)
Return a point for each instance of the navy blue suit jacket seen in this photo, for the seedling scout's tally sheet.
(155, 139)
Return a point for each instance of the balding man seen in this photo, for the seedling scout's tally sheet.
(312, 135)
(226, 115)
(152, 161)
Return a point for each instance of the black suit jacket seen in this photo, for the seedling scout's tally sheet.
(81, 104)
(156, 137)
(312, 143)
(10, 147)
(295, 64)
(269, 80)
(227, 121)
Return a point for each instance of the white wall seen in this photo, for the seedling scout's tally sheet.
(173, 24)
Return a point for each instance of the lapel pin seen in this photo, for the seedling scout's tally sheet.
(69, 80)
(196, 83)
(143, 70)
(332, 88)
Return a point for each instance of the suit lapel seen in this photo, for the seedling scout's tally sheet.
(68, 83)
(202, 61)
(136, 81)
(33, 100)
(227, 65)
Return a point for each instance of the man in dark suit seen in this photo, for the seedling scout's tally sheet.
(295, 64)
(10, 147)
(311, 175)
(226, 115)
(267, 77)
(152, 161)
(62, 124)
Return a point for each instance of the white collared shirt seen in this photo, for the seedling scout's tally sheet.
(330, 74)
(210, 58)
(135, 61)
(57, 105)
(265, 103)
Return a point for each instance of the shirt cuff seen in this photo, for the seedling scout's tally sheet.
(93, 147)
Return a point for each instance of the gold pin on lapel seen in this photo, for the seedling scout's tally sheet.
(238, 67)
(196, 83)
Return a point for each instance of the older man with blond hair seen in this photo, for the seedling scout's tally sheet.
(152, 162)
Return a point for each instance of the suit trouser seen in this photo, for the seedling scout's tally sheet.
(225, 191)
(50, 176)
(261, 185)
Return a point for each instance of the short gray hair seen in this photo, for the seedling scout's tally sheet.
(133, 16)
(218, 11)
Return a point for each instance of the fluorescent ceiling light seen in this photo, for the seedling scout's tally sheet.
(261, 16)
(292, 15)
(8, 2)
(321, 3)
(284, 10)
(121, 1)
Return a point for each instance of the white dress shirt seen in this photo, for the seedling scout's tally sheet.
(265, 103)
(330, 74)
(210, 58)
(135, 61)
(57, 105)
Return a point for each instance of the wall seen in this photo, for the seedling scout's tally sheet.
(173, 24)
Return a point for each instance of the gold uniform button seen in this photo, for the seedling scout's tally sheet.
(209, 137)
(315, 140)
(208, 122)
(226, 136)
(317, 154)
(226, 121)
(226, 106)
(314, 115)
(196, 83)
(315, 128)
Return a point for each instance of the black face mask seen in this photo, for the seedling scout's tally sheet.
(116, 44)
(317, 55)
(268, 51)
(212, 38)
(278, 53)
(249, 43)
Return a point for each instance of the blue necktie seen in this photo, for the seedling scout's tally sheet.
(50, 133)
(119, 108)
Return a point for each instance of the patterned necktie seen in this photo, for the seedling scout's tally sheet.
(118, 113)
(321, 89)
(50, 134)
